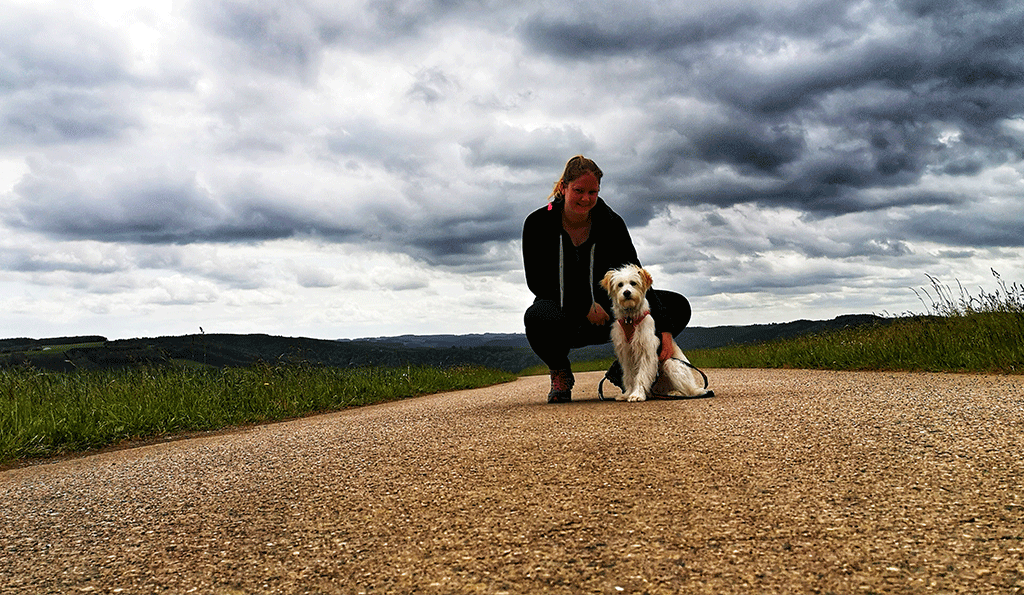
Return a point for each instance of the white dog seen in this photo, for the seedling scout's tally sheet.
(637, 346)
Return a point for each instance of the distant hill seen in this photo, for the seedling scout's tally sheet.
(510, 352)
(690, 338)
(722, 336)
(221, 350)
(445, 341)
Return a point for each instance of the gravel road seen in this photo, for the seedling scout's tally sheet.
(788, 481)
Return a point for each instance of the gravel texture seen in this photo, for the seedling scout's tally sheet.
(788, 481)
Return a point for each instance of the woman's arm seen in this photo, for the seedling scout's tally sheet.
(537, 260)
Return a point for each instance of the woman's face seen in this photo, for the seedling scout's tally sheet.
(581, 195)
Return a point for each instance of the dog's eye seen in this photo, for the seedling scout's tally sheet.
(621, 283)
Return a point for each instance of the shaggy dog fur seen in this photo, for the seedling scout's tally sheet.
(637, 346)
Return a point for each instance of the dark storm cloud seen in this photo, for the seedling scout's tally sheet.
(827, 108)
(290, 38)
(940, 60)
(760, 151)
(857, 111)
(279, 37)
(452, 238)
(964, 228)
(590, 34)
(57, 79)
(154, 208)
(61, 116)
(38, 48)
(157, 209)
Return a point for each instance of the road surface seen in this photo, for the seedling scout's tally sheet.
(787, 481)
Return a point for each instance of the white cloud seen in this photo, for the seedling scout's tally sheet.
(364, 168)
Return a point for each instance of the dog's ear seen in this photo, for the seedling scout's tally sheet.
(648, 281)
(607, 281)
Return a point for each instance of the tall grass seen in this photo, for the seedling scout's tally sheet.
(46, 414)
(959, 332)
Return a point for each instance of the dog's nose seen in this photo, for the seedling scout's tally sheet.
(627, 294)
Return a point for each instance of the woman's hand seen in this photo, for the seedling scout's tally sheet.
(597, 316)
(667, 350)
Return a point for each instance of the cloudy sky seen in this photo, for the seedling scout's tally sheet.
(361, 168)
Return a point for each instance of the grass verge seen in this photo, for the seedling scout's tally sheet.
(959, 333)
(46, 414)
(985, 343)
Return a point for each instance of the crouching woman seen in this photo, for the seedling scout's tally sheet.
(568, 246)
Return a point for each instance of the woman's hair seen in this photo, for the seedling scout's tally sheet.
(574, 168)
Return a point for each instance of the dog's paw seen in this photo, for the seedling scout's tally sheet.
(636, 397)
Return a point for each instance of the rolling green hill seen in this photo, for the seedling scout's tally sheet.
(508, 352)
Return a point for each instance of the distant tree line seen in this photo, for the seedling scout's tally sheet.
(245, 350)
(509, 352)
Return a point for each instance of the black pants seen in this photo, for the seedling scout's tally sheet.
(552, 334)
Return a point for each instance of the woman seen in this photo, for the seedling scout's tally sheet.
(568, 246)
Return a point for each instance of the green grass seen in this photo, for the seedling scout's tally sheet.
(977, 343)
(44, 414)
(959, 332)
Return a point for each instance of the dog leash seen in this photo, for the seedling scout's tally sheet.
(699, 371)
(600, 386)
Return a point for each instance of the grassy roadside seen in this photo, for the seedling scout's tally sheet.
(49, 414)
(982, 343)
(959, 333)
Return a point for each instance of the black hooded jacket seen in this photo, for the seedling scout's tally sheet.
(569, 275)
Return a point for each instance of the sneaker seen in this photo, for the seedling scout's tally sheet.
(562, 382)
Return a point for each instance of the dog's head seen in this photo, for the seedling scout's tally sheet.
(627, 285)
